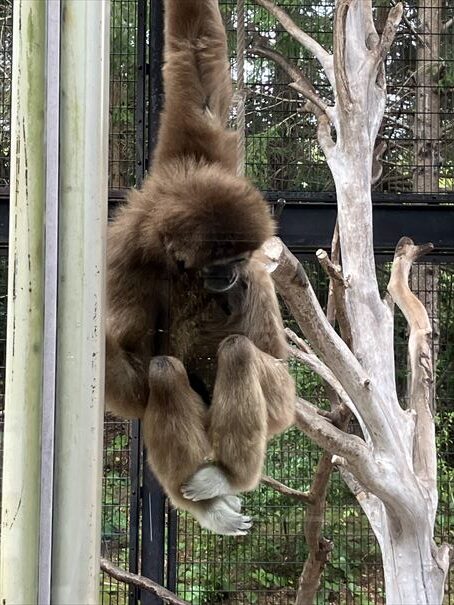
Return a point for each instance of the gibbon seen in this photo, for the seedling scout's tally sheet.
(183, 253)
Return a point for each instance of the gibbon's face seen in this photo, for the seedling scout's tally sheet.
(221, 276)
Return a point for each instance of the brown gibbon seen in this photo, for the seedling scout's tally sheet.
(184, 259)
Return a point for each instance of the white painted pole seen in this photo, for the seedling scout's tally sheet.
(22, 458)
(52, 135)
(80, 351)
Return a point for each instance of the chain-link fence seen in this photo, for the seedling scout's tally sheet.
(282, 155)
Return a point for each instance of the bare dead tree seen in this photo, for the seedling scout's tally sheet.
(392, 470)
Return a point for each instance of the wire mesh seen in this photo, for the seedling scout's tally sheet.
(116, 489)
(282, 150)
(282, 154)
(264, 566)
(123, 59)
(6, 42)
(3, 304)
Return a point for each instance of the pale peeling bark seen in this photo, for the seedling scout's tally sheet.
(393, 471)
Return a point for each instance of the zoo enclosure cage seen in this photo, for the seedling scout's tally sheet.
(283, 158)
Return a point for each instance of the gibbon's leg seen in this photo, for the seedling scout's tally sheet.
(174, 429)
(126, 386)
(254, 398)
(238, 424)
(279, 392)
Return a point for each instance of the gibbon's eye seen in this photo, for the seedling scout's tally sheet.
(220, 278)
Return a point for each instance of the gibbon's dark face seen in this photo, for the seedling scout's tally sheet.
(221, 276)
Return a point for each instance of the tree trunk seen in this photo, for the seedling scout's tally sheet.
(400, 521)
(412, 574)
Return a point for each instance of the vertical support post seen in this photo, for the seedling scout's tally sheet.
(172, 539)
(81, 308)
(50, 299)
(135, 443)
(153, 498)
(153, 533)
(23, 401)
(134, 507)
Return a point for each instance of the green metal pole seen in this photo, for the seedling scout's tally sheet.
(22, 457)
(80, 347)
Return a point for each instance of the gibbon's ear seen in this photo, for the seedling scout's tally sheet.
(203, 213)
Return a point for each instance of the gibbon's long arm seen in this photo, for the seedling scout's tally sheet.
(197, 85)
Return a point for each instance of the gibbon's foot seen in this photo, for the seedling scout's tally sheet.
(206, 483)
(234, 502)
(222, 518)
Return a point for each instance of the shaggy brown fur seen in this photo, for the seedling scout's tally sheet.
(193, 212)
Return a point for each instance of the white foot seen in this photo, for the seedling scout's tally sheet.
(206, 483)
(234, 502)
(221, 518)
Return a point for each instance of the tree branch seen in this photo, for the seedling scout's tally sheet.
(294, 287)
(339, 36)
(447, 24)
(332, 439)
(419, 348)
(338, 286)
(368, 502)
(413, 30)
(313, 362)
(331, 312)
(305, 497)
(324, 134)
(301, 82)
(307, 357)
(381, 477)
(319, 547)
(141, 582)
(325, 59)
(390, 29)
(333, 271)
(371, 36)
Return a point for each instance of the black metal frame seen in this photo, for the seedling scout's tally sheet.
(307, 219)
(150, 507)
